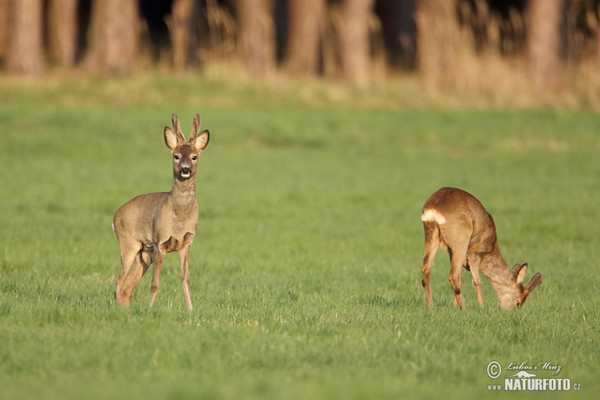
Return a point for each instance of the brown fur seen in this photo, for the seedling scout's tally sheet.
(151, 225)
(457, 221)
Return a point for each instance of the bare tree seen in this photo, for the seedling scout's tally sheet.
(62, 31)
(543, 39)
(113, 35)
(221, 32)
(24, 50)
(437, 37)
(180, 29)
(3, 27)
(353, 29)
(598, 34)
(306, 22)
(256, 35)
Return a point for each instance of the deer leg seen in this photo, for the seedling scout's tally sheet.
(185, 275)
(156, 266)
(459, 258)
(147, 256)
(139, 267)
(129, 252)
(432, 242)
(474, 266)
(132, 278)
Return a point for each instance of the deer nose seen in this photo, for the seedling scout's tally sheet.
(186, 170)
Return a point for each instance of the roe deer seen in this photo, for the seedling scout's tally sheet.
(459, 222)
(151, 225)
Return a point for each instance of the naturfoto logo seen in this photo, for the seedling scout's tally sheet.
(524, 376)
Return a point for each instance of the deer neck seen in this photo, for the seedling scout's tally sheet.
(183, 193)
(495, 269)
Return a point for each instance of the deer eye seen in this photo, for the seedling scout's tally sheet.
(518, 303)
(176, 157)
(194, 158)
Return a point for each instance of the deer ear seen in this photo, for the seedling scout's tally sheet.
(201, 141)
(519, 273)
(172, 139)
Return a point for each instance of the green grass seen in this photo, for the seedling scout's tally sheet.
(305, 271)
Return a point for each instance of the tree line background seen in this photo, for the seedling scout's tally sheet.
(355, 40)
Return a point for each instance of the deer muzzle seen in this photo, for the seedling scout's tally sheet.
(185, 172)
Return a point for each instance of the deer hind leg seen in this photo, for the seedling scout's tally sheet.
(129, 252)
(458, 259)
(139, 267)
(432, 242)
(132, 278)
(474, 267)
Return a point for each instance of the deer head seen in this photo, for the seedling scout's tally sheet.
(517, 297)
(185, 152)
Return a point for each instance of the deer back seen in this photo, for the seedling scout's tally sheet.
(460, 215)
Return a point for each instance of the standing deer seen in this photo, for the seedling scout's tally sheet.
(151, 225)
(459, 222)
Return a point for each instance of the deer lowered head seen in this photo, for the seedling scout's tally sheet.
(513, 293)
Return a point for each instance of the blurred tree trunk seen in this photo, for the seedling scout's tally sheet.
(180, 28)
(353, 29)
(24, 48)
(3, 27)
(256, 35)
(113, 36)
(62, 31)
(437, 38)
(306, 21)
(543, 41)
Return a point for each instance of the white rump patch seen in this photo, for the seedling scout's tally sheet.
(432, 215)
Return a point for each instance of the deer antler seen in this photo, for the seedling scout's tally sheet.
(195, 127)
(177, 126)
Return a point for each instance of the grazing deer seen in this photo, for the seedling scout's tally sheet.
(151, 225)
(459, 222)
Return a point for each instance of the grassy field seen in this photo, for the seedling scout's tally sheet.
(305, 271)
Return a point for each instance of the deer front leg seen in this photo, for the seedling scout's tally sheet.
(474, 266)
(185, 275)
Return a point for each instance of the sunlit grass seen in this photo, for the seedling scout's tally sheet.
(305, 271)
